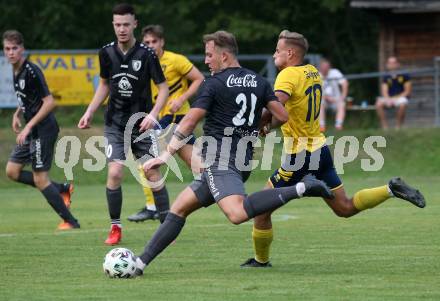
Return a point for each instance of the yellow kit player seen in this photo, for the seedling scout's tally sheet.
(299, 88)
(183, 79)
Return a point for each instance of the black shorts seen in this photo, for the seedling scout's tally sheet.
(215, 184)
(318, 163)
(142, 150)
(36, 151)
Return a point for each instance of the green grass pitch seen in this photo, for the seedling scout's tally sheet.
(389, 253)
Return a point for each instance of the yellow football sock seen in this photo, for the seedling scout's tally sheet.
(369, 198)
(149, 198)
(262, 241)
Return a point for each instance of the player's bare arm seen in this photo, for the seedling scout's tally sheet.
(196, 79)
(16, 122)
(101, 94)
(46, 108)
(162, 96)
(184, 129)
(275, 114)
(278, 121)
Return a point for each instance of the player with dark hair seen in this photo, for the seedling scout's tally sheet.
(183, 79)
(36, 141)
(127, 67)
(299, 88)
(231, 101)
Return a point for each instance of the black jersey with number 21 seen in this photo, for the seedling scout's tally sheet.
(234, 100)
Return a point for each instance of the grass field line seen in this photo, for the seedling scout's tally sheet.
(277, 218)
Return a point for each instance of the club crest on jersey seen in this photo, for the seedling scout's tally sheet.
(21, 83)
(136, 64)
(124, 84)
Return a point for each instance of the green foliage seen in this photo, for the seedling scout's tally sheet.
(345, 35)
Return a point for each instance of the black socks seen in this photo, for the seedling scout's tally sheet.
(54, 199)
(162, 202)
(27, 177)
(268, 200)
(163, 237)
(114, 202)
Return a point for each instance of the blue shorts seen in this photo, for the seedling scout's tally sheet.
(166, 120)
(295, 166)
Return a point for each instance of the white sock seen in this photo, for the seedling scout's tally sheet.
(390, 192)
(140, 264)
(116, 222)
(152, 207)
(300, 189)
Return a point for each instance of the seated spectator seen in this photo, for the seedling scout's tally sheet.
(334, 93)
(395, 89)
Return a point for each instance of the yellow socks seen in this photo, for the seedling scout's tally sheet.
(369, 198)
(149, 198)
(262, 241)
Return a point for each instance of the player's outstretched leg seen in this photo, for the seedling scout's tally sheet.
(271, 199)
(316, 188)
(371, 197)
(405, 192)
(185, 204)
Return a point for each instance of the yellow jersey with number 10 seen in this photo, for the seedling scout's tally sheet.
(303, 85)
(175, 67)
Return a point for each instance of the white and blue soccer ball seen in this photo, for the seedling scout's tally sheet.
(120, 263)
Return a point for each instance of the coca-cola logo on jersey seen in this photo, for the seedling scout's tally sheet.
(245, 81)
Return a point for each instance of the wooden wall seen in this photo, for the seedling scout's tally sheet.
(415, 40)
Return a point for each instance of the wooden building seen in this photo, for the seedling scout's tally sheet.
(410, 30)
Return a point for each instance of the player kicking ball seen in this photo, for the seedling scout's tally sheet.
(231, 101)
(299, 87)
(36, 141)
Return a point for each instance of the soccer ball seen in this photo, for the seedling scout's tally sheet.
(120, 263)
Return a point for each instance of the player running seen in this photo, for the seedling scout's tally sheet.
(299, 88)
(36, 141)
(231, 101)
(183, 79)
(127, 67)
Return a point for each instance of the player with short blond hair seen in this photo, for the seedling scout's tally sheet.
(299, 87)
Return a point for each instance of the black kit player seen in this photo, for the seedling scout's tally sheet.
(232, 101)
(127, 67)
(36, 141)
